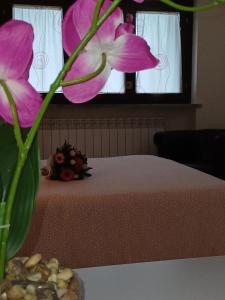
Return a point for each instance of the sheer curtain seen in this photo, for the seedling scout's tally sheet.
(115, 83)
(162, 32)
(47, 47)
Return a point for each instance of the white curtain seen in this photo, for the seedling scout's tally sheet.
(115, 83)
(47, 47)
(162, 32)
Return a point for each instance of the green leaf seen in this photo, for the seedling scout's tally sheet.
(27, 188)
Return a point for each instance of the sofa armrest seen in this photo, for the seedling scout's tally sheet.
(219, 156)
(178, 145)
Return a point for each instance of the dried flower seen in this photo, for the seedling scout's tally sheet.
(59, 157)
(66, 174)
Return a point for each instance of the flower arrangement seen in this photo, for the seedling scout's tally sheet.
(66, 164)
(96, 39)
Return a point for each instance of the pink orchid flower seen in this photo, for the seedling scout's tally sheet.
(16, 38)
(124, 51)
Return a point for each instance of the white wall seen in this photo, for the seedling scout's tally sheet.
(176, 116)
(209, 82)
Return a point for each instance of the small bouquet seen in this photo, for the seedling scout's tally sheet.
(67, 164)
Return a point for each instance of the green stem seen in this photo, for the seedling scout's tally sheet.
(191, 8)
(87, 77)
(108, 12)
(2, 213)
(97, 11)
(8, 209)
(17, 131)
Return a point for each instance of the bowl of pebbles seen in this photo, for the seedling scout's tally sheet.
(33, 278)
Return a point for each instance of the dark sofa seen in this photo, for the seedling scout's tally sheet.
(201, 149)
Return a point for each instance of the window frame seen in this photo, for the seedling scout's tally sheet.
(130, 97)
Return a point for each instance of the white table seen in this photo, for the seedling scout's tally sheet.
(184, 279)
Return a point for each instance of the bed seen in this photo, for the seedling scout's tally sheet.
(132, 209)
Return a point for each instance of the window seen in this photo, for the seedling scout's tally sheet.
(162, 33)
(47, 47)
(48, 50)
(168, 32)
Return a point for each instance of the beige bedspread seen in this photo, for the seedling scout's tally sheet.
(133, 209)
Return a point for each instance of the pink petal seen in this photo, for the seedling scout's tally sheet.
(27, 71)
(131, 53)
(79, 18)
(82, 15)
(16, 38)
(70, 36)
(27, 102)
(139, 1)
(106, 33)
(85, 64)
(125, 27)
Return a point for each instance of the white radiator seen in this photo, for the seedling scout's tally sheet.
(100, 137)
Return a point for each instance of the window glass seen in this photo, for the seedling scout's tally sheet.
(115, 83)
(47, 46)
(162, 32)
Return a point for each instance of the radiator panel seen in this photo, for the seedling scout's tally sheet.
(100, 137)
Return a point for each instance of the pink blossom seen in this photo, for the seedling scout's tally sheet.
(59, 157)
(16, 38)
(66, 174)
(124, 51)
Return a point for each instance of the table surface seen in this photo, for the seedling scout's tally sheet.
(183, 279)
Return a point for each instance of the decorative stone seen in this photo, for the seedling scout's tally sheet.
(16, 292)
(33, 260)
(46, 292)
(43, 270)
(52, 278)
(31, 289)
(61, 284)
(3, 296)
(4, 285)
(65, 274)
(30, 297)
(53, 265)
(34, 276)
(16, 269)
